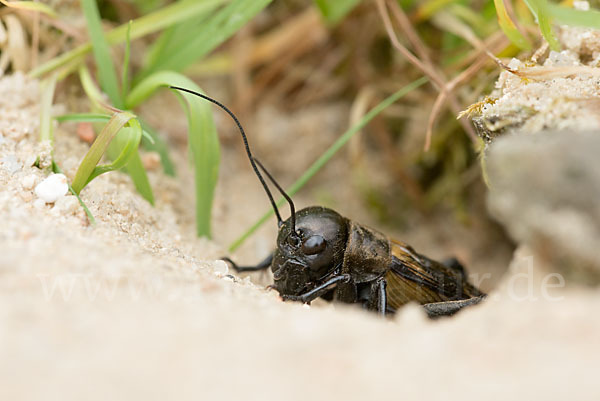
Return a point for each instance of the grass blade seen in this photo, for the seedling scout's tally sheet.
(98, 148)
(122, 147)
(203, 139)
(214, 31)
(98, 118)
(47, 88)
(509, 28)
(83, 117)
(137, 172)
(540, 9)
(328, 154)
(125, 72)
(56, 169)
(573, 17)
(106, 71)
(335, 10)
(90, 88)
(150, 23)
(31, 6)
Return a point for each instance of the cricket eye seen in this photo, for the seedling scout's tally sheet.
(314, 244)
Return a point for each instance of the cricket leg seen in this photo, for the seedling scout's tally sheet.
(380, 286)
(265, 264)
(449, 308)
(319, 290)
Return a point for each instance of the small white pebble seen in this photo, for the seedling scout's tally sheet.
(52, 188)
(221, 267)
(28, 182)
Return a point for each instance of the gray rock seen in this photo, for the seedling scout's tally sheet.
(545, 189)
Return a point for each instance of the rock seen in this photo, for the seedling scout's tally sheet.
(544, 188)
(52, 188)
(560, 91)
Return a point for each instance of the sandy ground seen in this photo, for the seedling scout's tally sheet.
(137, 308)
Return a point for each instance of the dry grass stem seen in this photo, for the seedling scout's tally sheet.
(428, 68)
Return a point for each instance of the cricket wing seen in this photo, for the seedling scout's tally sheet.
(416, 278)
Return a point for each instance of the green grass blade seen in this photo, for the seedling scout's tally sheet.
(137, 172)
(429, 7)
(122, 147)
(47, 89)
(328, 154)
(90, 88)
(335, 10)
(540, 9)
(172, 39)
(31, 6)
(98, 148)
(125, 72)
(509, 28)
(106, 70)
(203, 139)
(150, 23)
(210, 34)
(83, 117)
(99, 118)
(570, 16)
(56, 169)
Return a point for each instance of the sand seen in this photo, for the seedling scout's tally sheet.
(136, 307)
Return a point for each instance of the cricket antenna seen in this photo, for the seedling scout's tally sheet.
(286, 196)
(253, 161)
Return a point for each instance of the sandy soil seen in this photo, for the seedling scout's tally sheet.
(137, 308)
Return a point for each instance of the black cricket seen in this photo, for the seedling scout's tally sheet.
(323, 254)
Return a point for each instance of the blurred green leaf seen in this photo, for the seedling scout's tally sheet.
(47, 88)
(125, 72)
(31, 6)
(509, 28)
(106, 71)
(570, 16)
(165, 17)
(83, 117)
(135, 169)
(335, 10)
(203, 138)
(183, 46)
(539, 8)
